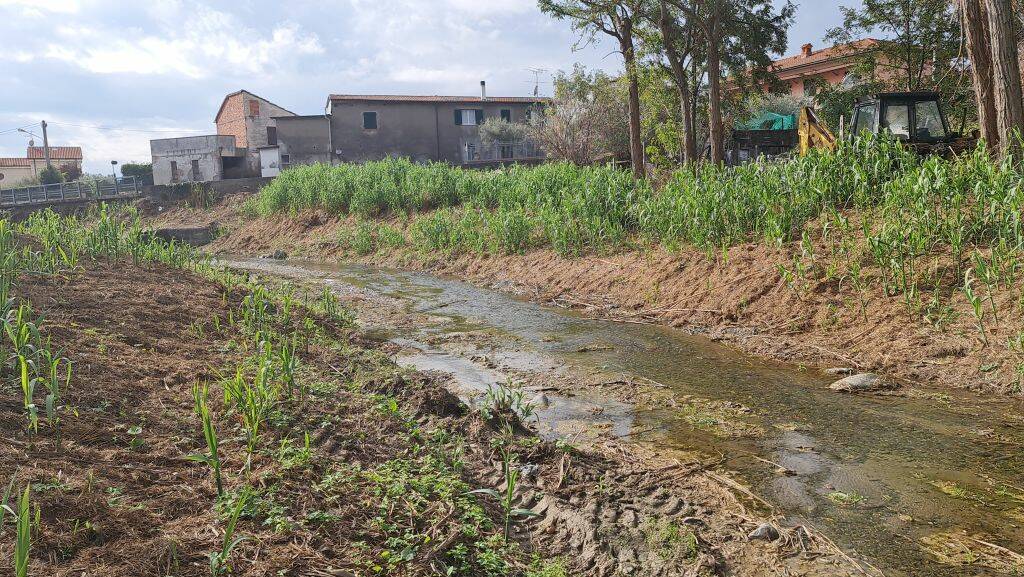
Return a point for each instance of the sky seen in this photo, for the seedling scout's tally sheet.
(110, 75)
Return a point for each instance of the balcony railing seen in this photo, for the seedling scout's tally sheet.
(501, 152)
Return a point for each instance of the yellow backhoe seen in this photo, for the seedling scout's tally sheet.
(916, 118)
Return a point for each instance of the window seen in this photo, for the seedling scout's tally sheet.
(254, 108)
(468, 117)
(369, 121)
(897, 119)
(928, 120)
(810, 87)
(286, 159)
(196, 175)
(865, 119)
(174, 171)
(271, 136)
(506, 114)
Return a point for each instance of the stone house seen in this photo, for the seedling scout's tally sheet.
(300, 140)
(196, 159)
(427, 128)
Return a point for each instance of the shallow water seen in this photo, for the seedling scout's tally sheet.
(950, 462)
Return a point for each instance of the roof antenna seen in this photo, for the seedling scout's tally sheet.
(536, 79)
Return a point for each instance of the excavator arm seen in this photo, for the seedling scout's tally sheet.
(813, 132)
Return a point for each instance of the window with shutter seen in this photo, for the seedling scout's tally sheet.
(468, 117)
(271, 136)
(369, 121)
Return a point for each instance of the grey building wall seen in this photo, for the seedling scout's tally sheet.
(206, 150)
(304, 139)
(256, 128)
(421, 131)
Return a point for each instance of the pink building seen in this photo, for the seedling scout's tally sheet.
(829, 64)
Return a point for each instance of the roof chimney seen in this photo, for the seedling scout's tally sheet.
(483, 90)
(807, 49)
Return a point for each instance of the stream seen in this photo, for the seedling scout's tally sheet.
(879, 474)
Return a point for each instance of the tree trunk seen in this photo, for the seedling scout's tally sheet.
(636, 147)
(687, 139)
(1005, 74)
(689, 130)
(716, 130)
(980, 53)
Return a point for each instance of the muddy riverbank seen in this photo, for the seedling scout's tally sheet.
(919, 482)
(738, 296)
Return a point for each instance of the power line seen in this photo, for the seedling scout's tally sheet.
(16, 129)
(122, 129)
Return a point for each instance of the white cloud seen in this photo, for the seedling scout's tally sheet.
(453, 75)
(500, 7)
(210, 43)
(34, 8)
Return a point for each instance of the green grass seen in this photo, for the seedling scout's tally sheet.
(869, 216)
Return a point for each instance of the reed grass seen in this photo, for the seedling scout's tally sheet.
(918, 223)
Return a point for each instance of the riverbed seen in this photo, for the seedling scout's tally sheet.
(921, 482)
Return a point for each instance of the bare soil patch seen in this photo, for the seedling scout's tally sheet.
(119, 496)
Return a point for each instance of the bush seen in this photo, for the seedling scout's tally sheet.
(50, 175)
(143, 171)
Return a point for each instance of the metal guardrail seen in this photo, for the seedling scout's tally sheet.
(98, 190)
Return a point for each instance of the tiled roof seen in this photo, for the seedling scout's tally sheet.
(825, 54)
(411, 98)
(15, 163)
(57, 152)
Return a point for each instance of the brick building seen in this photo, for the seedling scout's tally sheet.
(251, 120)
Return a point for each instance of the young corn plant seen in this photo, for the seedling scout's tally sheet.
(23, 532)
(507, 496)
(219, 559)
(253, 399)
(28, 388)
(977, 304)
(200, 394)
(289, 364)
(53, 386)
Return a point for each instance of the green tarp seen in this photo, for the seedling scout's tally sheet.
(769, 121)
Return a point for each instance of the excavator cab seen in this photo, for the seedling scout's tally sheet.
(915, 118)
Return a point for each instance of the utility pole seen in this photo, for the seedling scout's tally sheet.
(46, 145)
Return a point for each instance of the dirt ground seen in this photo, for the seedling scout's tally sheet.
(119, 496)
(738, 297)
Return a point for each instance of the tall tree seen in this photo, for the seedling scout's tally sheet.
(739, 36)
(922, 40)
(974, 21)
(618, 19)
(1006, 73)
(677, 41)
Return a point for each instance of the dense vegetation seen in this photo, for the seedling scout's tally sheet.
(926, 228)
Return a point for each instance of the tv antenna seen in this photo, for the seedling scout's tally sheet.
(536, 79)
